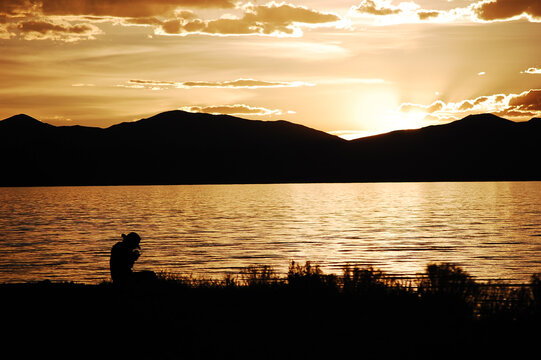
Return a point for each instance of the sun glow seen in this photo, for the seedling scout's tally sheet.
(378, 110)
(374, 110)
(411, 120)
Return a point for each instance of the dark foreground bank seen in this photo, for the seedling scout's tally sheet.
(361, 313)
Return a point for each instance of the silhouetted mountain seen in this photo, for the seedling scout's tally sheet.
(171, 147)
(478, 147)
(177, 147)
(24, 127)
(21, 121)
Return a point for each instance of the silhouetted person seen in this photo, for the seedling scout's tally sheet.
(124, 254)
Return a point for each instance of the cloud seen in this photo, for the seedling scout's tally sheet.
(270, 19)
(5, 28)
(61, 19)
(434, 107)
(23, 19)
(531, 70)
(494, 10)
(125, 8)
(244, 83)
(14, 8)
(377, 7)
(480, 100)
(522, 106)
(232, 84)
(527, 101)
(383, 12)
(428, 14)
(44, 30)
(145, 83)
(237, 109)
(171, 17)
(466, 105)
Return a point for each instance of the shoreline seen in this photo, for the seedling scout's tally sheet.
(257, 315)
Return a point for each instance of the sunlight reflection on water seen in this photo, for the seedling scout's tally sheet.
(65, 233)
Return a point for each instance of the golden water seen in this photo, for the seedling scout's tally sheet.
(492, 229)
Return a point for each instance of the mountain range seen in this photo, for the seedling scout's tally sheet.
(179, 147)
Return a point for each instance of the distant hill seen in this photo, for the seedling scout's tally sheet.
(478, 147)
(171, 147)
(178, 147)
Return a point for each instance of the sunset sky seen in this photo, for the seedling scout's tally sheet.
(348, 67)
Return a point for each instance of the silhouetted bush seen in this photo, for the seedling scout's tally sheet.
(449, 292)
(309, 278)
(259, 314)
(254, 275)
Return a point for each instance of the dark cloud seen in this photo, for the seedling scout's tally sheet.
(44, 27)
(427, 14)
(237, 109)
(151, 82)
(376, 8)
(481, 10)
(44, 30)
(434, 107)
(527, 101)
(125, 8)
(480, 100)
(285, 14)
(239, 84)
(100, 8)
(466, 105)
(16, 7)
(271, 19)
(242, 83)
(143, 21)
(4, 32)
(507, 9)
(515, 113)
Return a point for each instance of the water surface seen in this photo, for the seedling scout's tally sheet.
(491, 229)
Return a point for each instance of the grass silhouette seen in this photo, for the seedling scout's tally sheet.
(259, 314)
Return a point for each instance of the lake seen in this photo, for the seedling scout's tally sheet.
(491, 229)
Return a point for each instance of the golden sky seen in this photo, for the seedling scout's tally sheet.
(351, 68)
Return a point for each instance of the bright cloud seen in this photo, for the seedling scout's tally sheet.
(531, 70)
(232, 84)
(523, 106)
(384, 12)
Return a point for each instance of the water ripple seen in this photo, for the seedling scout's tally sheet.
(492, 229)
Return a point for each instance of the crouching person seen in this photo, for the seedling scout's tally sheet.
(124, 254)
